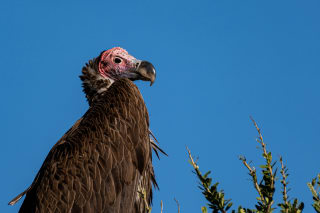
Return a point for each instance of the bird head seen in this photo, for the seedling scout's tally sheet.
(112, 65)
(117, 63)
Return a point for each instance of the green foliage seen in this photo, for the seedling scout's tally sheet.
(289, 207)
(315, 192)
(143, 195)
(215, 197)
(265, 187)
(286, 206)
(204, 209)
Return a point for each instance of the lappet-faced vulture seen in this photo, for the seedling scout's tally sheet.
(103, 163)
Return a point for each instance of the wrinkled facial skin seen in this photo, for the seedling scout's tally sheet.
(116, 63)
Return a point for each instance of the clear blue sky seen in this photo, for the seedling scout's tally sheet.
(217, 61)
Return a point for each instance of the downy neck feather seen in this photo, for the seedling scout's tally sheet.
(92, 82)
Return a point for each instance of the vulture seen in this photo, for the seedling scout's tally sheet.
(103, 163)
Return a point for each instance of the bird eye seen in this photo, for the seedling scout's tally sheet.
(117, 60)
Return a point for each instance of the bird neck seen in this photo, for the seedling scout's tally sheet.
(92, 82)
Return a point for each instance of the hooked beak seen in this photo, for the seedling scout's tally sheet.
(146, 71)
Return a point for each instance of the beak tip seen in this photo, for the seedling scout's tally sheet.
(151, 82)
(153, 78)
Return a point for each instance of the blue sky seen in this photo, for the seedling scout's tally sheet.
(218, 62)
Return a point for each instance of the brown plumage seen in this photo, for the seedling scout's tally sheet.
(104, 161)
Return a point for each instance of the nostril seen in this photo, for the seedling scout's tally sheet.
(137, 65)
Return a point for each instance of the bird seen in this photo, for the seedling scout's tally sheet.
(103, 163)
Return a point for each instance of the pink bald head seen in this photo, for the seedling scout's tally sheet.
(112, 65)
(116, 63)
